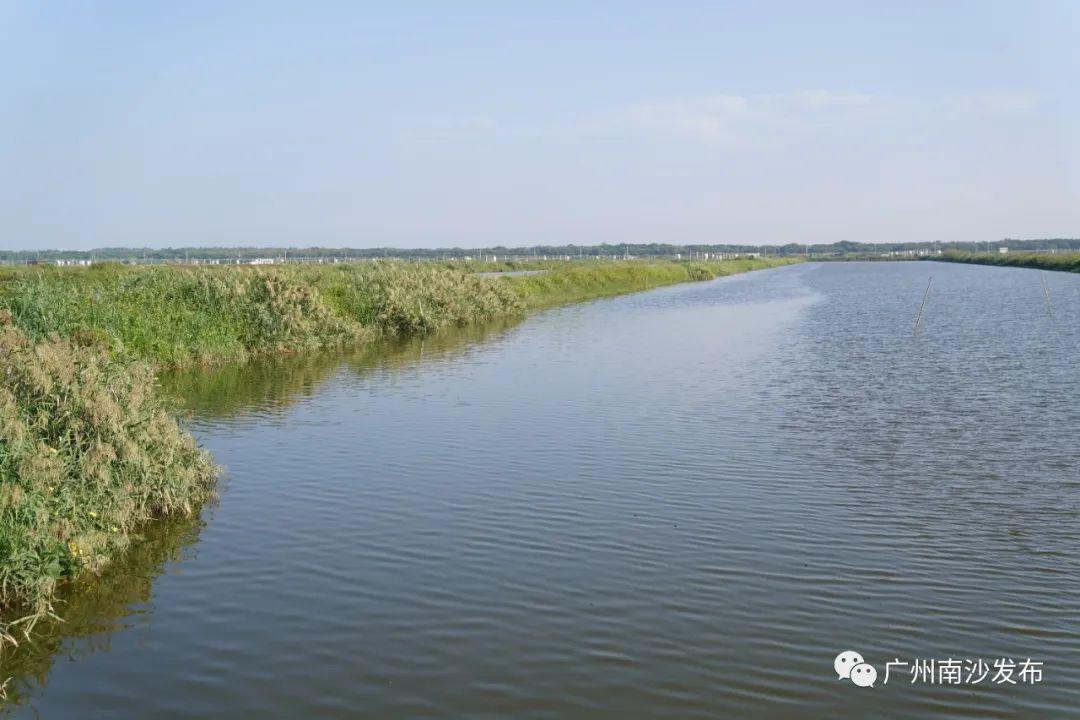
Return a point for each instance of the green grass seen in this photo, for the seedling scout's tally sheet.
(90, 452)
(1063, 261)
(90, 606)
(181, 316)
(175, 316)
(579, 281)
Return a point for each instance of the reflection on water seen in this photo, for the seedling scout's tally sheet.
(90, 611)
(273, 384)
(95, 608)
(682, 503)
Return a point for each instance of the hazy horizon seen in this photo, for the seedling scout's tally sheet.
(1016, 244)
(340, 125)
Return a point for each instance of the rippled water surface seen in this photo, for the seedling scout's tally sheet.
(678, 504)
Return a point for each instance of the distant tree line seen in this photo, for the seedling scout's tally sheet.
(243, 254)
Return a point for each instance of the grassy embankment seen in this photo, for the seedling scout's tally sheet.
(575, 282)
(89, 453)
(177, 317)
(1064, 261)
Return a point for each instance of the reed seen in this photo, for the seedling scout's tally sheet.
(88, 454)
(180, 316)
(89, 449)
(1063, 261)
(576, 282)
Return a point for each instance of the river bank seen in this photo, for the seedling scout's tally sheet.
(680, 503)
(178, 316)
(1063, 261)
(90, 450)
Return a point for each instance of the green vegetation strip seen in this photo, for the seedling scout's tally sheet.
(1064, 261)
(89, 452)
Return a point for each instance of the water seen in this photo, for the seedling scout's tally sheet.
(682, 503)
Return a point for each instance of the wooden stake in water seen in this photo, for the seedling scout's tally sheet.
(918, 320)
(1046, 294)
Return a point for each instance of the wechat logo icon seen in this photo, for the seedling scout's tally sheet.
(850, 665)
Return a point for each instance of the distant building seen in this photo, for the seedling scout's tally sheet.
(1003, 250)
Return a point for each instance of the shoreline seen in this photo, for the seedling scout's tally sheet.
(1057, 262)
(176, 317)
(85, 346)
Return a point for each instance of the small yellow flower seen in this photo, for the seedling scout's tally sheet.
(73, 548)
(114, 528)
(93, 514)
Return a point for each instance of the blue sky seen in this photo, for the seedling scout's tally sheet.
(468, 123)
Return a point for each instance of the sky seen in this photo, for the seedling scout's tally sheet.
(436, 124)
